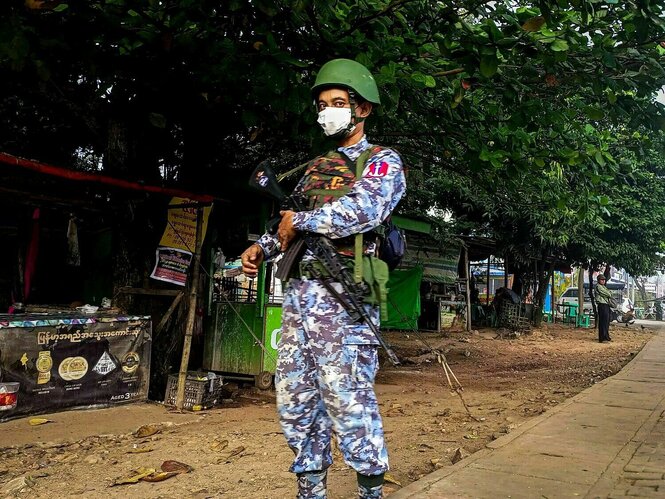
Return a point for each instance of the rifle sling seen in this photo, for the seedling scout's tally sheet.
(358, 246)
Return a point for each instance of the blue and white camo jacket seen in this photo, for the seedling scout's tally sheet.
(369, 202)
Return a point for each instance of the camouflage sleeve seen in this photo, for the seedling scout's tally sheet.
(269, 244)
(370, 201)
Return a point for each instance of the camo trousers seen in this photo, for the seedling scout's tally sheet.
(324, 380)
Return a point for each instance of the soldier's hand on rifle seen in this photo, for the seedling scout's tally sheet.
(251, 258)
(286, 232)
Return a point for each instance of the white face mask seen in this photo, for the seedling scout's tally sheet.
(335, 120)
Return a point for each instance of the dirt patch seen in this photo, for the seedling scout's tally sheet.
(239, 451)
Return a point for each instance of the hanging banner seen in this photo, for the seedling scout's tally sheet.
(171, 265)
(49, 364)
(180, 229)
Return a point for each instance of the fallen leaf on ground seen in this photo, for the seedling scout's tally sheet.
(159, 476)
(134, 477)
(236, 451)
(390, 479)
(219, 445)
(39, 421)
(176, 467)
(146, 431)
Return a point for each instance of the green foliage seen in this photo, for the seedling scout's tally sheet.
(519, 118)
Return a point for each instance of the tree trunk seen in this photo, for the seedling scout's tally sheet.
(127, 262)
(640, 282)
(518, 281)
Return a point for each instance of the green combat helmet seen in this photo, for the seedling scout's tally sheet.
(349, 74)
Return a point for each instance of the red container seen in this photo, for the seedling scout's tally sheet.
(8, 396)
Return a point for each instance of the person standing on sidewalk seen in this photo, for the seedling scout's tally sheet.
(326, 361)
(603, 297)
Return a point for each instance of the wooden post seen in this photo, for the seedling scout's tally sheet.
(467, 268)
(191, 315)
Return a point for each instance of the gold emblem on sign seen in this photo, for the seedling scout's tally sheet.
(44, 365)
(73, 368)
(130, 362)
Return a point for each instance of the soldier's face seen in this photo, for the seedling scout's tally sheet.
(339, 97)
(333, 97)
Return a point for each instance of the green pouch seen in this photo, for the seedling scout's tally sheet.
(375, 275)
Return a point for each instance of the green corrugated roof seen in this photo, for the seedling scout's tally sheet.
(412, 224)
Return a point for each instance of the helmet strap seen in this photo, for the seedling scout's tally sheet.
(354, 118)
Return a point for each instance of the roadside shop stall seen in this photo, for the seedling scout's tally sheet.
(74, 248)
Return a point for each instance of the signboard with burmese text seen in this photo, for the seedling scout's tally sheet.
(63, 361)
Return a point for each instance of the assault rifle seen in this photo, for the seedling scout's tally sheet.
(351, 298)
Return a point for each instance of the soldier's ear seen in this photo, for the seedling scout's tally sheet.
(364, 110)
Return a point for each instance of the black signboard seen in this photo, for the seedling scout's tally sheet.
(62, 362)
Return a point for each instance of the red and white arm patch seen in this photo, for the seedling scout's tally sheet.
(378, 169)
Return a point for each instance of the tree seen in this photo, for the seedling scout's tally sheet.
(519, 118)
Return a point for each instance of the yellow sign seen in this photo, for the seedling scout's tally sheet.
(180, 230)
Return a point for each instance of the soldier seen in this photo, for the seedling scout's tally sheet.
(326, 362)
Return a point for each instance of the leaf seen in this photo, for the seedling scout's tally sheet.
(489, 66)
(157, 120)
(418, 77)
(134, 477)
(219, 445)
(146, 431)
(159, 476)
(458, 98)
(176, 467)
(559, 46)
(430, 81)
(38, 421)
(390, 479)
(236, 451)
(594, 113)
(533, 24)
(599, 158)
(61, 7)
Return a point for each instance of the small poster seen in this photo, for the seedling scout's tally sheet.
(180, 231)
(171, 265)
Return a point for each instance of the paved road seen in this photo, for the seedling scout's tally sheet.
(606, 442)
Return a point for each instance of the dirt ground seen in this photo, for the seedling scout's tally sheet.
(237, 450)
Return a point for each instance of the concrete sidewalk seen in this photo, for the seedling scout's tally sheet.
(606, 442)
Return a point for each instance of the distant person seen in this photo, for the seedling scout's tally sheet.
(603, 296)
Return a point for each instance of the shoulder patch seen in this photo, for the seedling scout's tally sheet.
(378, 169)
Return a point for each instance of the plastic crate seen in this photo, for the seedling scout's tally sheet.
(200, 390)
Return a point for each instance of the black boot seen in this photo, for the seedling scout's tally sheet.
(312, 485)
(370, 487)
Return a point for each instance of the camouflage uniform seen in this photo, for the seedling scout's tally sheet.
(326, 362)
